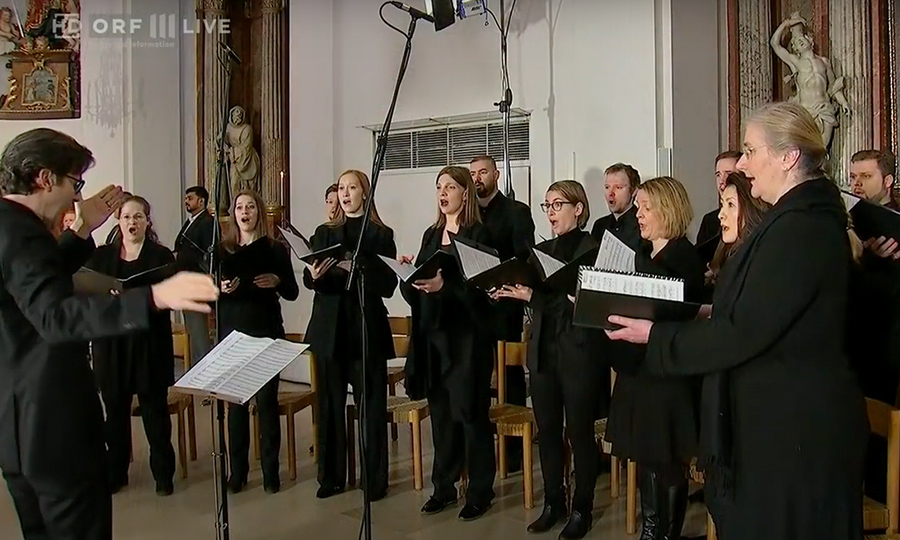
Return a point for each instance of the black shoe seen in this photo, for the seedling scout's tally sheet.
(578, 526)
(552, 514)
(272, 487)
(471, 512)
(675, 499)
(327, 491)
(165, 488)
(648, 483)
(378, 495)
(435, 505)
(235, 484)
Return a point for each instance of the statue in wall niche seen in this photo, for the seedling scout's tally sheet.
(243, 160)
(815, 86)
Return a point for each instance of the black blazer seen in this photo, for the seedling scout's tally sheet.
(581, 348)
(51, 421)
(778, 330)
(512, 230)
(193, 241)
(380, 283)
(145, 359)
(625, 228)
(455, 322)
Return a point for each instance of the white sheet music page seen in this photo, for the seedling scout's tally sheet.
(614, 254)
(262, 368)
(403, 271)
(633, 285)
(298, 246)
(849, 200)
(548, 263)
(474, 261)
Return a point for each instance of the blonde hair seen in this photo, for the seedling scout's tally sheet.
(231, 236)
(788, 126)
(470, 213)
(670, 201)
(339, 216)
(573, 192)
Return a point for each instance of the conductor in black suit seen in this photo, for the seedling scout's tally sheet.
(511, 228)
(51, 424)
(620, 185)
(191, 253)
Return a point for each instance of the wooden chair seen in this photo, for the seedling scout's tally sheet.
(400, 410)
(181, 344)
(290, 402)
(400, 326)
(178, 405)
(513, 420)
(884, 421)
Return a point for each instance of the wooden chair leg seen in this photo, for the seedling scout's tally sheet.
(291, 445)
(614, 470)
(501, 458)
(314, 449)
(182, 447)
(351, 446)
(527, 457)
(254, 421)
(710, 527)
(192, 430)
(392, 391)
(416, 424)
(631, 498)
(567, 471)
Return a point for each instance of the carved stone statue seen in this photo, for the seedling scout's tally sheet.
(243, 160)
(815, 86)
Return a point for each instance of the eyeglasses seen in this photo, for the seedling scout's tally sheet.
(555, 205)
(77, 182)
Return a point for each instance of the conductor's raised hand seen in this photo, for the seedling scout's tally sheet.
(94, 211)
(319, 268)
(632, 331)
(429, 286)
(187, 291)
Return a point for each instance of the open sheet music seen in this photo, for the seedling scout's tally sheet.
(602, 293)
(871, 220)
(303, 249)
(88, 281)
(482, 267)
(239, 366)
(614, 254)
(473, 259)
(555, 273)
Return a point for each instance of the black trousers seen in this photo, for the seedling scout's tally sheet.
(157, 426)
(83, 513)
(462, 443)
(332, 376)
(563, 399)
(269, 434)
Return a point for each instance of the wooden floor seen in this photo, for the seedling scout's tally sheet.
(296, 513)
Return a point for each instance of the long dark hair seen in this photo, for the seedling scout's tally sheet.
(750, 213)
(150, 234)
(469, 213)
(231, 236)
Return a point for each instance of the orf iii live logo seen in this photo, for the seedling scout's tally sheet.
(155, 27)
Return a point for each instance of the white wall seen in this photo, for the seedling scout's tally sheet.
(605, 81)
(132, 115)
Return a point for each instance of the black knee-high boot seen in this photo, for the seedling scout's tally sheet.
(648, 482)
(675, 499)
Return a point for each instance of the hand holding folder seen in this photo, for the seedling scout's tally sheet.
(481, 266)
(303, 249)
(408, 273)
(89, 281)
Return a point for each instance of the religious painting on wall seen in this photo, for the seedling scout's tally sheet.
(40, 59)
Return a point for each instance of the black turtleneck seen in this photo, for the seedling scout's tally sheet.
(556, 307)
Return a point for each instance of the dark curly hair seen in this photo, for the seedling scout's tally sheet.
(42, 148)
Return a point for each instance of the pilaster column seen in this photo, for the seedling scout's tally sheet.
(214, 98)
(273, 119)
(754, 31)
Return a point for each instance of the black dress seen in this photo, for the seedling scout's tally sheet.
(566, 366)
(256, 312)
(652, 419)
(450, 361)
(141, 363)
(334, 335)
(797, 425)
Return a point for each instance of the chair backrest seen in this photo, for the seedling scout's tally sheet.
(401, 346)
(181, 344)
(884, 421)
(298, 338)
(400, 326)
(509, 353)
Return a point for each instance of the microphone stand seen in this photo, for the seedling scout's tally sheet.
(215, 269)
(357, 270)
(506, 103)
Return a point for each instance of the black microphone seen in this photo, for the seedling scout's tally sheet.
(230, 52)
(415, 13)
